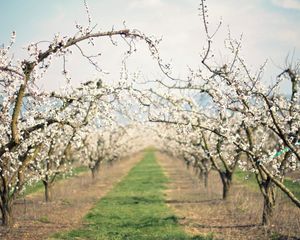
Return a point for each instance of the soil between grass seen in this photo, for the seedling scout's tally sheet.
(72, 199)
(134, 209)
(202, 211)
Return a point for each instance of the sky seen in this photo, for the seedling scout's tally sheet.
(270, 30)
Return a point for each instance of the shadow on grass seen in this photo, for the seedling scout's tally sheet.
(131, 200)
(151, 222)
(173, 201)
(227, 226)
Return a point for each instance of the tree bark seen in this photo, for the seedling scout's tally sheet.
(94, 173)
(269, 202)
(226, 178)
(200, 173)
(7, 218)
(6, 210)
(48, 191)
(205, 179)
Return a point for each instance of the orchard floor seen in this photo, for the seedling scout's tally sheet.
(201, 211)
(72, 199)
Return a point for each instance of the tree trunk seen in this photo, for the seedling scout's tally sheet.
(48, 191)
(188, 164)
(200, 173)
(206, 179)
(95, 169)
(7, 219)
(94, 173)
(269, 201)
(226, 178)
(226, 187)
(6, 209)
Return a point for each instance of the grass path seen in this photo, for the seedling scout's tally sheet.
(134, 209)
(72, 200)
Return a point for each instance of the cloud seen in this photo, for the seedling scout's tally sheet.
(146, 3)
(288, 4)
(268, 33)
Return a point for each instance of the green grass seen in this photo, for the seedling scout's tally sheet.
(250, 180)
(36, 187)
(39, 186)
(294, 187)
(133, 209)
(44, 219)
(247, 178)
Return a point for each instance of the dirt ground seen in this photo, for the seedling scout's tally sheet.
(201, 211)
(72, 199)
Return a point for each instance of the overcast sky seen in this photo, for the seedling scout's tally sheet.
(270, 30)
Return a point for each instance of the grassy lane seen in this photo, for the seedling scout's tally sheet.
(134, 209)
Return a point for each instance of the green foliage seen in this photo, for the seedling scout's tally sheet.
(134, 209)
